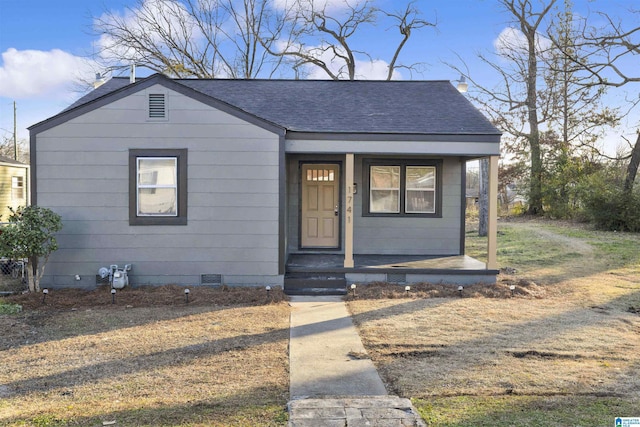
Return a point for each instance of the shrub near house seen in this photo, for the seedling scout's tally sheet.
(31, 234)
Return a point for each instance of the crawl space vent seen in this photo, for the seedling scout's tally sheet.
(396, 278)
(211, 279)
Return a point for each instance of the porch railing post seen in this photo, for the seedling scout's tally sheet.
(492, 225)
(348, 210)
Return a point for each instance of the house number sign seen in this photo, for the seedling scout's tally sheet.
(349, 203)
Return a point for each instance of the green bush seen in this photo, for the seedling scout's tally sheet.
(609, 207)
(8, 308)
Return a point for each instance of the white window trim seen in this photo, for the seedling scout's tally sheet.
(156, 186)
(396, 189)
(17, 183)
(422, 189)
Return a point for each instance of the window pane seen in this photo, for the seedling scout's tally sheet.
(385, 177)
(159, 171)
(385, 201)
(157, 186)
(421, 177)
(17, 187)
(421, 201)
(157, 202)
(384, 189)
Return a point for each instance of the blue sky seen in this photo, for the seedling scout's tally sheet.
(43, 43)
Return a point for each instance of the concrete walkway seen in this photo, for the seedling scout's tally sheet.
(332, 380)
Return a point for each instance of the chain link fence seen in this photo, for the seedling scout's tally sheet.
(13, 273)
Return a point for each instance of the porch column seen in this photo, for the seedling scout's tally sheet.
(348, 211)
(492, 225)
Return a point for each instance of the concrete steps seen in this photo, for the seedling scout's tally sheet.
(314, 284)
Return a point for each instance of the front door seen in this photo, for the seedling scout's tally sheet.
(320, 213)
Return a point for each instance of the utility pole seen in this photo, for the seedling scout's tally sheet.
(15, 138)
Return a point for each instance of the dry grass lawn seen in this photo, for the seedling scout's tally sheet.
(148, 360)
(562, 349)
(566, 354)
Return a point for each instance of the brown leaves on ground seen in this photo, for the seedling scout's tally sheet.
(522, 289)
(147, 296)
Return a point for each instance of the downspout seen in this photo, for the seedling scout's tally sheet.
(33, 185)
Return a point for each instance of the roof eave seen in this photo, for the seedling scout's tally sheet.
(388, 136)
(160, 79)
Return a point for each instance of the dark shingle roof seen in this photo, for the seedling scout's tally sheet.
(10, 161)
(327, 106)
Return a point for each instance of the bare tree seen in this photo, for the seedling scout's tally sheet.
(249, 38)
(540, 90)
(324, 39)
(515, 105)
(609, 49)
(189, 38)
(7, 148)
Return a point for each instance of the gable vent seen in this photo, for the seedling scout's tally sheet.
(157, 106)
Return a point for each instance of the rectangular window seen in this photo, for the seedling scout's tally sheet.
(158, 187)
(17, 188)
(421, 189)
(385, 189)
(402, 187)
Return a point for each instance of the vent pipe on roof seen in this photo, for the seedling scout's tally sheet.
(99, 81)
(132, 73)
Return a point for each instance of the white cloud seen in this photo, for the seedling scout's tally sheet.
(366, 69)
(33, 73)
(511, 40)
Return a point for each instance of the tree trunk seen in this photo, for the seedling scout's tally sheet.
(632, 168)
(32, 275)
(535, 185)
(483, 198)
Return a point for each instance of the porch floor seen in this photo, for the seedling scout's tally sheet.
(410, 264)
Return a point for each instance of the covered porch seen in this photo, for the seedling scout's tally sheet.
(328, 268)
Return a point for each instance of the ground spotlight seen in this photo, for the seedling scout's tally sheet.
(45, 292)
(113, 296)
(186, 296)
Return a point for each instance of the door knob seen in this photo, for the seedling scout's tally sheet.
(336, 211)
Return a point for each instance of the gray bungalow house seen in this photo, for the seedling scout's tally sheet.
(264, 182)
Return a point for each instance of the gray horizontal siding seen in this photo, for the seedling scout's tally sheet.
(47, 144)
(233, 189)
(180, 241)
(170, 254)
(389, 235)
(406, 235)
(94, 226)
(200, 158)
(65, 280)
